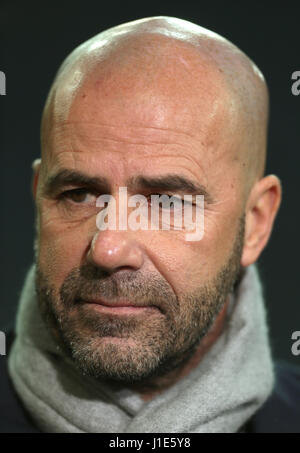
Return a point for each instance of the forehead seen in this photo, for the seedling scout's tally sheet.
(170, 97)
(132, 72)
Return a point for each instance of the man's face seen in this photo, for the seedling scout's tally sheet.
(119, 132)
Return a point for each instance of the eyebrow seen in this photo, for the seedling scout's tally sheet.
(75, 178)
(170, 182)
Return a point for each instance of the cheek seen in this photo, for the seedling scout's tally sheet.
(196, 263)
(176, 260)
(61, 248)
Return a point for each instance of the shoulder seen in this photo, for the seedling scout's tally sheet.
(281, 412)
(14, 418)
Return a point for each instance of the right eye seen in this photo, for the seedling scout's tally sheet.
(79, 196)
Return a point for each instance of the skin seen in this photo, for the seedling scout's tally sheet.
(154, 97)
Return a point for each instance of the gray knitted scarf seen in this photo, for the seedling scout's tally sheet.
(232, 381)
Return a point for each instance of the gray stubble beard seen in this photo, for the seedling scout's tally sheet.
(163, 341)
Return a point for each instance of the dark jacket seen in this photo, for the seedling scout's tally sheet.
(280, 413)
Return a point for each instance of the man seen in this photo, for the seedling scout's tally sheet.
(137, 330)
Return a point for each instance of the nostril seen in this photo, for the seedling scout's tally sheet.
(124, 268)
(113, 250)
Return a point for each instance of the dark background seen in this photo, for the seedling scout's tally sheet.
(36, 37)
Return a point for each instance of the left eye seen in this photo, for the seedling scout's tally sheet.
(79, 196)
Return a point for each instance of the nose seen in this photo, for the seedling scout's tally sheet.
(111, 250)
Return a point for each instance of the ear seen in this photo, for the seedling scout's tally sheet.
(36, 164)
(262, 207)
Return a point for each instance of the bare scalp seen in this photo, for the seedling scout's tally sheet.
(172, 61)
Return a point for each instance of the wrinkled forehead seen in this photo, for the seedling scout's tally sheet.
(144, 80)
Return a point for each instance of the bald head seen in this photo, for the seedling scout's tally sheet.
(164, 61)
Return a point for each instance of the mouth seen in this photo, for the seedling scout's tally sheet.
(119, 307)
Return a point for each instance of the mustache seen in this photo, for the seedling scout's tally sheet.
(91, 282)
